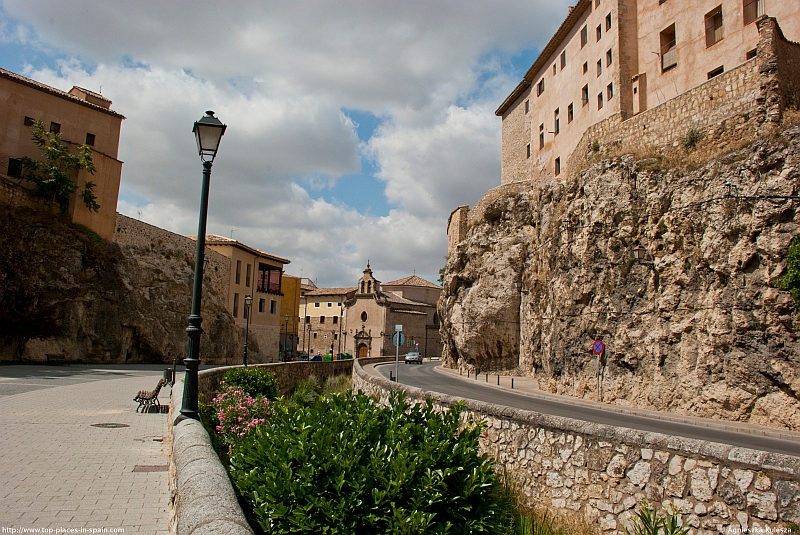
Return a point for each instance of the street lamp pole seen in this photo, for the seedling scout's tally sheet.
(208, 131)
(285, 335)
(248, 303)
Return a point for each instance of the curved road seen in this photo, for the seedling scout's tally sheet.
(427, 378)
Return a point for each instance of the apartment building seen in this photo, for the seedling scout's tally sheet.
(620, 58)
(324, 320)
(259, 275)
(82, 117)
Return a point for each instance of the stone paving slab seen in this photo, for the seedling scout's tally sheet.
(60, 472)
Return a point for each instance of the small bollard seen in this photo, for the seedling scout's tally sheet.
(498, 380)
(512, 383)
(391, 375)
(487, 377)
(467, 373)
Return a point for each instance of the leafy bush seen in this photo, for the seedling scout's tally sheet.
(691, 138)
(791, 279)
(648, 521)
(306, 391)
(254, 381)
(238, 413)
(349, 465)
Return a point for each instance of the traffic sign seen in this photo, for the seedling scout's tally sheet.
(598, 347)
(398, 336)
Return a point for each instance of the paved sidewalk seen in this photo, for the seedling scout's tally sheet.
(58, 471)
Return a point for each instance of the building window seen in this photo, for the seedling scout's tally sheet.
(669, 52)
(585, 95)
(752, 10)
(540, 87)
(261, 303)
(554, 69)
(609, 57)
(308, 319)
(528, 150)
(599, 101)
(322, 319)
(570, 112)
(584, 36)
(330, 305)
(608, 22)
(541, 136)
(335, 320)
(751, 54)
(339, 304)
(14, 168)
(269, 279)
(273, 306)
(316, 305)
(556, 122)
(610, 91)
(714, 30)
(599, 32)
(235, 305)
(90, 139)
(585, 67)
(563, 59)
(238, 272)
(527, 106)
(716, 72)
(28, 121)
(599, 67)
(596, 3)
(558, 166)
(247, 276)
(55, 128)
(363, 316)
(315, 336)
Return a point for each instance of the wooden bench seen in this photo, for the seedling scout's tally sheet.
(149, 399)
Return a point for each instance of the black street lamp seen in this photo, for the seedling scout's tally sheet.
(248, 303)
(207, 131)
(285, 335)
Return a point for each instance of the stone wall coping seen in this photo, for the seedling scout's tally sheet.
(725, 453)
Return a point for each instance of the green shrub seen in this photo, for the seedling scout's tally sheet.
(306, 391)
(648, 521)
(337, 383)
(347, 465)
(691, 138)
(254, 381)
(791, 279)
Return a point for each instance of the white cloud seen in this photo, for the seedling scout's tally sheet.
(279, 74)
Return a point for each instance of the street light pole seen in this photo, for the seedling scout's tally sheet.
(248, 303)
(285, 334)
(208, 132)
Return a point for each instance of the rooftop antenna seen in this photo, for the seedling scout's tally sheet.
(232, 231)
(101, 89)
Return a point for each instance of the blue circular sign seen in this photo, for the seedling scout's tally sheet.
(598, 346)
(398, 339)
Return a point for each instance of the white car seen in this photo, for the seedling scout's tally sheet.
(414, 356)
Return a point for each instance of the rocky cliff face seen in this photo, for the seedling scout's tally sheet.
(63, 294)
(696, 327)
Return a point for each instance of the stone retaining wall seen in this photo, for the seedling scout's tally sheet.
(603, 471)
(138, 234)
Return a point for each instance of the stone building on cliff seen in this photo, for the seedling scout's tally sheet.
(81, 117)
(614, 59)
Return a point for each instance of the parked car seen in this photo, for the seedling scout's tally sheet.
(302, 355)
(413, 356)
(434, 357)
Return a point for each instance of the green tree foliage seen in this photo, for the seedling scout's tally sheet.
(348, 465)
(648, 521)
(791, 280)
(51, 175)
(254, 381)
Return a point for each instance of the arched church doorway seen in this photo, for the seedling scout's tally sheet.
(363, 351)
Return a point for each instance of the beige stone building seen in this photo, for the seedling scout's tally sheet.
(324, 317)
(259, 275)
(613, 59)
(81, 117)
(290, 321)
(373, 311)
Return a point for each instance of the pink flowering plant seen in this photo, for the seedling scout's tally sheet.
(238, 413)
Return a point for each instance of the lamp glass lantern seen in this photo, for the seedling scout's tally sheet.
(638, 252)
(208, 132)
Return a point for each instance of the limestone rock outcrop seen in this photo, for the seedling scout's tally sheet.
(74, 298)
(695, 327)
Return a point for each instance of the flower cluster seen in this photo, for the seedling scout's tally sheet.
(238, 413)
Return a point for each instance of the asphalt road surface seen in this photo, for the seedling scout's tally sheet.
(425, 377)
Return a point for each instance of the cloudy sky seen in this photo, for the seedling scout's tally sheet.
(354, 127)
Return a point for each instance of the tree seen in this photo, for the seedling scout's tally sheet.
(791, 279)
(51, 176)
